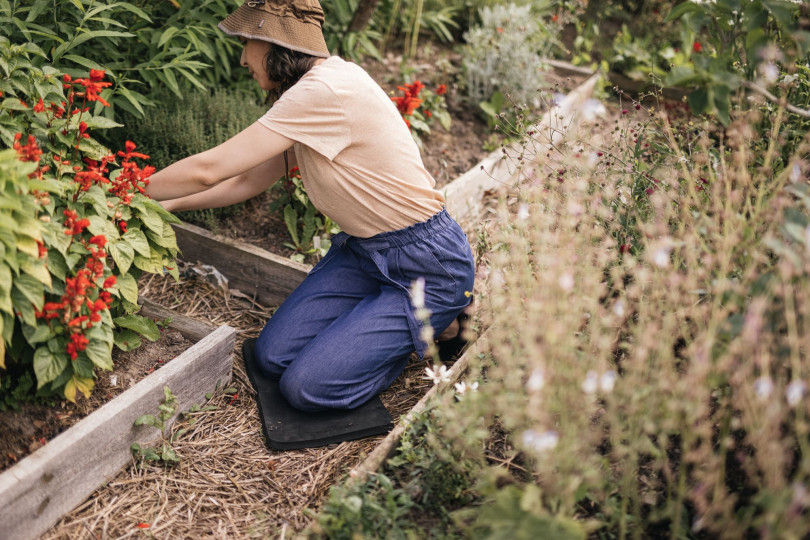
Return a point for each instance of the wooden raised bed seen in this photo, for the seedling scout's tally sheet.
(36, 492)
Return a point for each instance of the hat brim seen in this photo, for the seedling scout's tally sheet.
(285, 31)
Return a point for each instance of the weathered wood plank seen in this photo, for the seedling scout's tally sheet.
(254, 271)
(387, 446)
(192, 329)
(37, 491)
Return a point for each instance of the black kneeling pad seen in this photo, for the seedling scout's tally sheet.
(287, 428)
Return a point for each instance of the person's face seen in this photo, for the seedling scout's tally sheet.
(253, 55)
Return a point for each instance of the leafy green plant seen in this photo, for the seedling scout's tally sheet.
(158, 44)
(735, 45)
(340, 39)
(165, 452)
(504, 53)
(421, 107)
(309, 229)
(77, 231)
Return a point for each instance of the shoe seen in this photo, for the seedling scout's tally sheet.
(451, 349)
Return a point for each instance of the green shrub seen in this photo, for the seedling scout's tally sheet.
(76, 231)
(179, 127)
(503, 54)
(156, 44)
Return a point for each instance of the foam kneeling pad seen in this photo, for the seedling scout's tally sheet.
(287, 428)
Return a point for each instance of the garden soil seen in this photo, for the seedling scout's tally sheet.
(33, 425)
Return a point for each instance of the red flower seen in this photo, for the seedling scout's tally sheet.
(697, 47)
(72, 225)
(123, 226)
(39, 107)
(78, 342)
(28, 152)
(554, 18)
(99, 240)
(441, 90)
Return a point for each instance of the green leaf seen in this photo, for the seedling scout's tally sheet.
(699, 100)
(138, 241)
(40, 334)
(127, 340)
(722, 103)
(81, 38)
(291, 220)
(48, 366)
(31, 289)
(146, 327)
(123, 254)
(100, 353)
(149, 420)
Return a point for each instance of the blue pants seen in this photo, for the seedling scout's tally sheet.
(348, 330)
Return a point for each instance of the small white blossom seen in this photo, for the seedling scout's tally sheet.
(607, 381)
(618, 308)
(438, 374)
(418, 292)
(591, 382)
(567, 282)
(523, 212)
(536, 380)
(795, 392)
(557, 99)
(661, 257)
(462, 387)
(763, 388)
(575, 208)
(770, 72)
(795, 173)
(592, 109)
(540, 442)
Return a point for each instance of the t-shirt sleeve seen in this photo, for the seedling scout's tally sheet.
(310, 113)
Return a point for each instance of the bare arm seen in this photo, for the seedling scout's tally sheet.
(234, 190)
(233, 161)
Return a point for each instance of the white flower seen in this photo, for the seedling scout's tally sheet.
(523, 212)
(795, 173)
(567, 282)
(591, 382)
(592, 109)
(557, 99)
(607, 381)
(618, 308)
(763, 387)
(540, 442)
(661, 257)
(418, 292)
(536, 380)
(795, 392)
(770, 72)
(438, 374)
(462, 387)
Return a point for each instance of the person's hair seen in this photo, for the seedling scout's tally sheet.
(286, 67)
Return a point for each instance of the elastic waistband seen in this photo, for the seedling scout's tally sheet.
(408, 235)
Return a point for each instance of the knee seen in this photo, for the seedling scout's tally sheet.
(272, 364)
(303, 394)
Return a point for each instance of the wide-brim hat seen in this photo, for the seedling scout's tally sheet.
(294, 24)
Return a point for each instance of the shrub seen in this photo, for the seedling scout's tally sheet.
(159, 44)
(504, 54)
(180, 127)
(76, 232)
(656, 385)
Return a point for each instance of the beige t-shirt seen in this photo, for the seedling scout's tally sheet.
(359, 164)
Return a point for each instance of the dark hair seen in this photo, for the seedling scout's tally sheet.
(286, 67)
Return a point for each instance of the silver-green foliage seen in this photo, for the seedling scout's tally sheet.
(504, 54)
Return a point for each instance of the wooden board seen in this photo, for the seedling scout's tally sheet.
(267, 277)
(36, 492)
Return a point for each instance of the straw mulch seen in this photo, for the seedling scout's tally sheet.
(228, 483)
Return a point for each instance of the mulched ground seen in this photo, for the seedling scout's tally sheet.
(228, 484)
